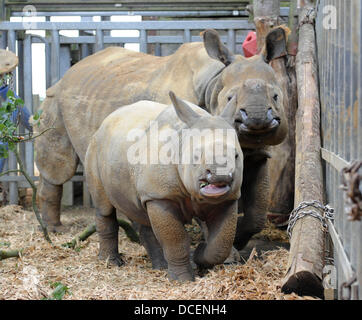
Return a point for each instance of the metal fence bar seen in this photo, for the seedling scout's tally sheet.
(231, 40)
(284, 12)
(150, 39)
(187, 35)
(28, 99)
(3, 39)
(357, 8)
(55, 59)
(99, 40)
(143, 41)
(141, 25)
(13, 188)
(48, 59)
(345, 9)
(355, 226)
(20, 92)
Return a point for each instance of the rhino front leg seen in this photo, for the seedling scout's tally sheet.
(56, 160)
(50, 196)
(253, 201)
(221, 226)
(107, 228)
(174, 240)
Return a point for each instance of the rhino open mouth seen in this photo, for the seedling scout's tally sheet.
(213, 190)
(271, 128)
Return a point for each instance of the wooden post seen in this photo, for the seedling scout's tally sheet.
(266, 16)
(281, 164)
(306, 257)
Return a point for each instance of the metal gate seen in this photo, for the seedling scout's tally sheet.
(339, 43)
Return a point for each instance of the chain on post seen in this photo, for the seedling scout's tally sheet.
(299, 212)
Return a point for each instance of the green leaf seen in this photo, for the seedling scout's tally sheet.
(5, 244)
(4, 151)
(59, 291)
(10, 94)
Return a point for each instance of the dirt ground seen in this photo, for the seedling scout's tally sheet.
(41, 267)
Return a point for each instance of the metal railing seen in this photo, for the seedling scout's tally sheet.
(340, 76)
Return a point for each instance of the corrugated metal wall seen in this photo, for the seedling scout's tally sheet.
(340, 74)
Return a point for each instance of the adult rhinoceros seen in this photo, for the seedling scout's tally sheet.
(206, 74)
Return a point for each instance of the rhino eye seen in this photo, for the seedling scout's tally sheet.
(275, 98)
(229, 98)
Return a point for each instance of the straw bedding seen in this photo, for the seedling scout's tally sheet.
(32, 276)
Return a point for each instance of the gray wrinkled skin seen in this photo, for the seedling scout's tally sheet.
(206, 74)
(161, 198)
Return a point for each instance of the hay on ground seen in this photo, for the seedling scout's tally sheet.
(33, 275)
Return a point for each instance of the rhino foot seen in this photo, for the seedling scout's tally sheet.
(57, 228)
(114, 260)
(234, 257)
(159, 264)
(185, 276)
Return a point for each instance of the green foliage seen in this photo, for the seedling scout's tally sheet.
(5, 244)
(8, 128)
(59, 291)
(37, 115)
(5, 79)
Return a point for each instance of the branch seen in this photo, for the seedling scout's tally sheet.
(86, 233)
(10, 254)
(90, 229)
(38, 135)
(33, 186)
(130, 232)
(18, 140)
(10, 171)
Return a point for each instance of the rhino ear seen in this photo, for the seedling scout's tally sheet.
(183, 110)
(215, 48)
(229, 111)
(275, 44)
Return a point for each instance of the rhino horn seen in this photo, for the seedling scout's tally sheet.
(183, 110)
(215, 48)
(229, 111)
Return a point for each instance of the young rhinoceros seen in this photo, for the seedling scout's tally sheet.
(163, 196)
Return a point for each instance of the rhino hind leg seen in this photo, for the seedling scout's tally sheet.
(152, 246)
(107, 229)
